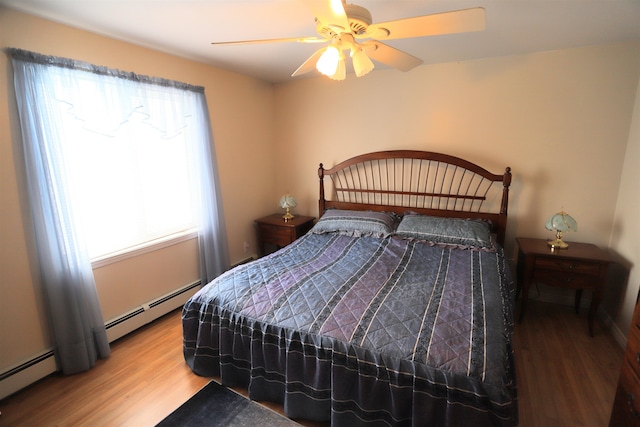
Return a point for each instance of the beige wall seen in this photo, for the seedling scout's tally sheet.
(242, 122)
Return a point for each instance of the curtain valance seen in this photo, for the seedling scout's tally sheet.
(28, 56)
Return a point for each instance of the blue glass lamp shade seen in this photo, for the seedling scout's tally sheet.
(560, 223)
(287, 202)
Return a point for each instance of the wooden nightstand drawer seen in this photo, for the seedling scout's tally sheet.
(630, 382)
(568, 266)
(635, 321)
(624, 412)
(626, 406)
(632, 354)
(273, 230)
(569, 280)
(275, 234)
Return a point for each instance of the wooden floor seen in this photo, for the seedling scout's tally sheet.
(565, 378)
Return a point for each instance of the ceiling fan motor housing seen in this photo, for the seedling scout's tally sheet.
(359, 19)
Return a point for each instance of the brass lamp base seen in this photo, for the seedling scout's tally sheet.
(287, 216)
(558, 243)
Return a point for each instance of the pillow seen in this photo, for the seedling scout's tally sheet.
(355, 223)
(468, 233)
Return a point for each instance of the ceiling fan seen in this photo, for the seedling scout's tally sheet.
(349, 27)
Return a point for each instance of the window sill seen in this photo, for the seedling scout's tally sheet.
(144, 248)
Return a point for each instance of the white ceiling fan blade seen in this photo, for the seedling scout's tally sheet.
(458, 21)
(329, 12)
(390, 56)
(309, 64)
(288, 39)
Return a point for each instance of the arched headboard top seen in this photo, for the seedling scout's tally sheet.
(424, 182)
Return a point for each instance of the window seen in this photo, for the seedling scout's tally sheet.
(128, 173)
(130, 186)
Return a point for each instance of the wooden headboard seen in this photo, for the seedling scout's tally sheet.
(424, 182)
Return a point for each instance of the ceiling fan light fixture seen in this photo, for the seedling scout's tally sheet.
(328, 62)
(341, 70)
(362, 64)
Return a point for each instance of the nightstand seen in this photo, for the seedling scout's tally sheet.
(581, 266)
(274, 230)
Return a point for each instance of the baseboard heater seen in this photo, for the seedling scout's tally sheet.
(43, 364)
(140, 316)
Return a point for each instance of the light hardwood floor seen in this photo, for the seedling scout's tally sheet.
(565, 377)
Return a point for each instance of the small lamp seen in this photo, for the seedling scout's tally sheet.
(560, 223)
(287, 202)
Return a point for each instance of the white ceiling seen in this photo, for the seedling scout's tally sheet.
(187, 27)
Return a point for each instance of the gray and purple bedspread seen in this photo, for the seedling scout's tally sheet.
(363, 330)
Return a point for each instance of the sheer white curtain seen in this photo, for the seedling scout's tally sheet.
(77, 325)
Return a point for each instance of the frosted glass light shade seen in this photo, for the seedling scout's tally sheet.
(288, 201)
(328, 62)
(561, 221)
(362, 64)
(341, 71)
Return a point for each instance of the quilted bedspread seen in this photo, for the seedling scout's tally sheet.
(361, 329)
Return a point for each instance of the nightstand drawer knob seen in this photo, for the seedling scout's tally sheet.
(631, 408)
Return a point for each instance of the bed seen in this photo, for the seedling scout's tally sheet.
(395, 308)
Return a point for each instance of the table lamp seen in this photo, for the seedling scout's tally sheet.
(560, 223)
(287, 202)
